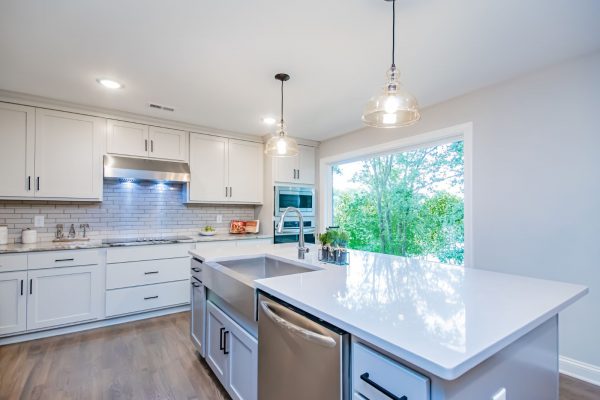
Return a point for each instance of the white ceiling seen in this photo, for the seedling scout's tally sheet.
(214, 61)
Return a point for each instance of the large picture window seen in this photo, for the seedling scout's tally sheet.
(409, 203)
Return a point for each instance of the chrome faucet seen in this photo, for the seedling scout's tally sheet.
(302, 249)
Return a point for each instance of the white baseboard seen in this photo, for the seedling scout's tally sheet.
(580, 370)
(91, 325)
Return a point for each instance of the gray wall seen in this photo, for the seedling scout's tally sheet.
(128, 209)
(536, 182)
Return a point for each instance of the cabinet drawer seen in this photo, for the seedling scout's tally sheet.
(146, 272)
(142, 298)
(387, 374)
(150, 252)
(68, 258)
(13, 262)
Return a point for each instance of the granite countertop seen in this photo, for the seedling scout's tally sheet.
(444, 319)
(97, 243)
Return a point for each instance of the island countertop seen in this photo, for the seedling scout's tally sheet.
(443, 319)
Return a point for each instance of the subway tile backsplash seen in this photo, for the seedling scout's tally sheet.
(129, 209)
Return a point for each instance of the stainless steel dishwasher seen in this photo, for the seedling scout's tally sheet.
(299, 356)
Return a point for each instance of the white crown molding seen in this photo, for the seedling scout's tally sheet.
(580, 370)
(59, 105)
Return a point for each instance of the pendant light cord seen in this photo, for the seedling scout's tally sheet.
(393, 33)
(282, 105)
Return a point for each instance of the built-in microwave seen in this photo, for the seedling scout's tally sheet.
(301, 197)
(291, 230)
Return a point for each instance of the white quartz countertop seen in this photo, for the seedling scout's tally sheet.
(443, 319)
(97, 243)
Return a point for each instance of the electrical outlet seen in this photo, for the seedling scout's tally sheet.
(38, 221)
(500, 395)
(219, 219)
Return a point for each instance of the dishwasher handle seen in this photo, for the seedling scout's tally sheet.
(314, 337)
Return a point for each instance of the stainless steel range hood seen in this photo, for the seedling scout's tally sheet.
(149, 170)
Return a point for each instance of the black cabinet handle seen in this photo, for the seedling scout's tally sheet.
(64, 259)
(29, 183)
(151, 297)
(298, 174)
(365, 377)
(31, 286)
(146, 145)
(230, 191)
(196, 269)
(225, 342)
(38, 183)
(221, 339)
(21, 287)
(152, 146)
(150, 272)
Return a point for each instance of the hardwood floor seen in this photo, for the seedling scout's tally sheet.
(151, 359)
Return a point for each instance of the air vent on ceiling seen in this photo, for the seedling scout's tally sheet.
(160, 107)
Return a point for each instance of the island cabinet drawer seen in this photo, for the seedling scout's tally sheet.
(143, 298)
(377, 377)
(146, 272)
(69, 258)
(149, 252)
(13, 262)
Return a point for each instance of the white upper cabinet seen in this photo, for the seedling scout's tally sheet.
(68, 155)
(127, 138)
(225, 170)
(138, 140)
(245, 171)
(299, 169)
(168, 144)
(285, 168)
(208, 167)
(17, 136)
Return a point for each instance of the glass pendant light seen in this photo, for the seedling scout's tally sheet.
(281, 145)
(394, 107)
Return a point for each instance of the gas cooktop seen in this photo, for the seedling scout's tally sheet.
(119, 242)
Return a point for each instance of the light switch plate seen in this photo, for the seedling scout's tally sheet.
(219, 219)
(500, 395)
(38, 221)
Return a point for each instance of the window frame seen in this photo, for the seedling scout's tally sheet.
(462, 132)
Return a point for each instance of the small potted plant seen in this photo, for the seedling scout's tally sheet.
(325, 241)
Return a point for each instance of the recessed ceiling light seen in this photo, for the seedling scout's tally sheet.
(269, 120)
(109, 83)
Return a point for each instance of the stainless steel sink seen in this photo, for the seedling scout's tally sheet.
(233, 281)
(264, 267)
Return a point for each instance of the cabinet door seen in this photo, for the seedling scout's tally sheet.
(13, 303)
(242, 377)
(168, 144)
(245, 171)
(197, 316)
(17, 137)
(285, 169)
(208, 166)
(126, 138)
(306, 165)
(68, 155)
(60, 296)
(215, 354)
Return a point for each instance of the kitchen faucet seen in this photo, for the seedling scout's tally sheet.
(302, 249)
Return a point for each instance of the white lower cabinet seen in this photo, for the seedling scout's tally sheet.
(13, 302)
(377, 377)
(232, 354)
(60, 296)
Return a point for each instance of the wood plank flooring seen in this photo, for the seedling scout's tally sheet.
(151, 359)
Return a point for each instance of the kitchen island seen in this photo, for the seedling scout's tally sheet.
(473, 333)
